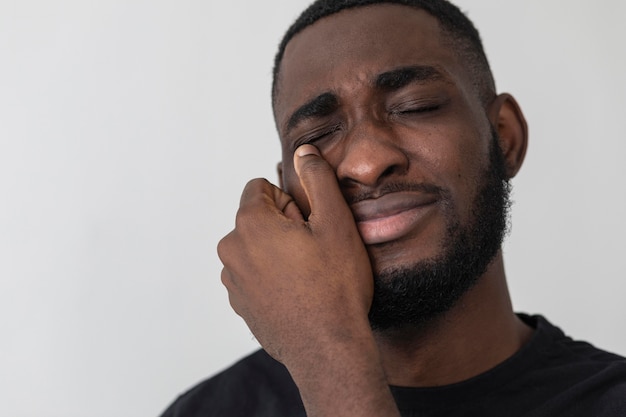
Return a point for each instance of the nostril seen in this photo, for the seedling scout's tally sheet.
(390, 171)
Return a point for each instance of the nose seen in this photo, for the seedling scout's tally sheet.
(370, 154)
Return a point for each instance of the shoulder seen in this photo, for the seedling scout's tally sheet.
(577, 373)
(560, 350)
(255, 386)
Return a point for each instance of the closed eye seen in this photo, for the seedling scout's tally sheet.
(419, 109)
(415, 107)
(316, 135)
(420, 103)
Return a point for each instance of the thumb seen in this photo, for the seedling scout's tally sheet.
(320, 185)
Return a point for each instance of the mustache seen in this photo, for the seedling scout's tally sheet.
(394, 187)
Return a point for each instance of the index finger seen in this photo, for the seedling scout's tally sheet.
(260, 191)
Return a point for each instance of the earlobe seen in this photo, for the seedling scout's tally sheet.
(507, 118)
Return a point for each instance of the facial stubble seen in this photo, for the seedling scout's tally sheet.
(416, 295)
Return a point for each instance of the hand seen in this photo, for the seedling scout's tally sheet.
(299, 285)
(305, 288)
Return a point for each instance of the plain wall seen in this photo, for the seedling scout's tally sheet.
(128, 129)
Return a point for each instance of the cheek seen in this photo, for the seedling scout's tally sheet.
(454, 157)
(469, 169)
(441, 154)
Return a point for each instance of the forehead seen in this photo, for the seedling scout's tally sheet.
(350, 48)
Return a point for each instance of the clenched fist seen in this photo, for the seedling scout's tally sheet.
(297, 283)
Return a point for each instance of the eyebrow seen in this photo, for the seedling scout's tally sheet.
(320, 106)
(403, 76)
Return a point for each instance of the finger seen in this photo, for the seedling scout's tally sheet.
(225, 250)
(229, 282)
(287, 205)
(256, 191)
(320, 185)
(260, 192)
(293, 212)
(227, 279)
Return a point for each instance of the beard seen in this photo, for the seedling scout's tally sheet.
(415, 296)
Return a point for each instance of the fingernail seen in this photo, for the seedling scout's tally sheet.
(305, 150)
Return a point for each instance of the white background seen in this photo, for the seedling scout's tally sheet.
(128, 128)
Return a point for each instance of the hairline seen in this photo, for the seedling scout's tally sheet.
(461, 43)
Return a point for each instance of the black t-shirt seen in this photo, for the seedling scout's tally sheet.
(551, 376)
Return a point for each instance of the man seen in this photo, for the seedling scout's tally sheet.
(373, 277)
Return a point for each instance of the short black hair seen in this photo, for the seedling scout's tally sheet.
(464, 37)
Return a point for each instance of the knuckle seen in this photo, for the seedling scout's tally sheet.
(224, 247)
(220, 248)
(224, 277)
(254, 184)
(230, 281)
(243, 217)
(253, 188)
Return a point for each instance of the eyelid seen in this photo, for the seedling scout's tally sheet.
(315, 135)
(417, 105)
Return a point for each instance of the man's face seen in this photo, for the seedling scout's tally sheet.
(387, 102)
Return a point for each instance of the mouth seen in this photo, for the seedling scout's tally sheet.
(391, 216)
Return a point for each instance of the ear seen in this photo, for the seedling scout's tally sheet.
(279, 170)
(507, 118)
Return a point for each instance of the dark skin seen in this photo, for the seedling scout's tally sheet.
(299, 268)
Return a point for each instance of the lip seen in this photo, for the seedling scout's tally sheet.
(391, 216)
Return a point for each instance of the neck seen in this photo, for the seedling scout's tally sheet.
(477, 334)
